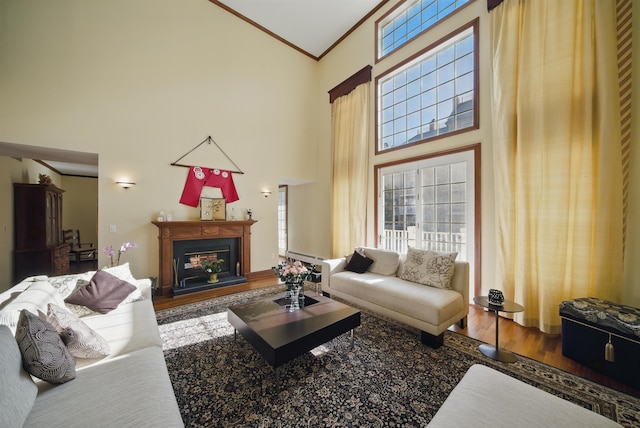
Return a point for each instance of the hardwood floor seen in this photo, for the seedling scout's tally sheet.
(526, 341)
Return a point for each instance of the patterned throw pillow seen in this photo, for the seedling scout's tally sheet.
(43, 352)
(429, 267)
(80, 339)
(103, 294)
(67, 284)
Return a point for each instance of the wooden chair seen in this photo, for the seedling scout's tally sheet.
(78, 250)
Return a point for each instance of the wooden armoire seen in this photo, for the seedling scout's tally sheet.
(38, 248)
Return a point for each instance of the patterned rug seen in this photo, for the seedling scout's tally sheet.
(388, 379)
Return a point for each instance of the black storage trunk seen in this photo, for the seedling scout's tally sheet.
(587, 330)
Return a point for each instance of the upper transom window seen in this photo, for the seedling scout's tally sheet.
(432, 95)
(411, 19)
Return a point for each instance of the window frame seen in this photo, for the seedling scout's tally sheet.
(476, 287)
(284, 189)
(392, 14)
(474, 25)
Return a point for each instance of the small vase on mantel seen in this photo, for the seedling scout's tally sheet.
(213, 277)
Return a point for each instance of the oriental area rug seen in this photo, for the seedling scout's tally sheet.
(389, 378)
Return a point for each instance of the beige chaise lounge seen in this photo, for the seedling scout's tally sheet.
(382, 290)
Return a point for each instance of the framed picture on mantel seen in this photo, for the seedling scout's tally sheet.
(213, 209)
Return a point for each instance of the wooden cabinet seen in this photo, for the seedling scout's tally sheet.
(39, 248)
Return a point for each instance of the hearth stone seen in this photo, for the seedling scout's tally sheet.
(202, 284)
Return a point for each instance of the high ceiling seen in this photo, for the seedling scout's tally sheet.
(65, 162)
(312, 27)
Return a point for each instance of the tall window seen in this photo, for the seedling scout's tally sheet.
(430, 204)
(410, 19)
(432, 95)
(282, 221)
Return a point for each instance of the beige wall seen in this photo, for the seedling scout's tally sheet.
(142, 82)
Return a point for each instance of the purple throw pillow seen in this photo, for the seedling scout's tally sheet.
(103, 294)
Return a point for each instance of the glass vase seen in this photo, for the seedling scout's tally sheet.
(294, 293)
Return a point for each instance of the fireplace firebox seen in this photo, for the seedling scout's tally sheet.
(183, 243)
(188, 274)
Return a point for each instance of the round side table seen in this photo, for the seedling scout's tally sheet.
(495, 352)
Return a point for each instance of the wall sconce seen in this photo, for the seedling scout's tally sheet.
(125, 184)
(266, 193)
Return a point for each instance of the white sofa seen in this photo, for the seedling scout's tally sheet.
(487, 398)
(430, 309)
(128, 388)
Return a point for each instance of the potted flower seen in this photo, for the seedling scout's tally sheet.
(110, 252)
(211, 266)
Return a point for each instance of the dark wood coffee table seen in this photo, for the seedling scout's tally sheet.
(280, 335)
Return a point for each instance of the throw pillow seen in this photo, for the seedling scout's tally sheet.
(123, 272)
(17, 389)
(103, 294)
(429, 267)
(359, 250)
(34, 298)
(385, 262)
(358, 263)
(80, 339)
(67, 284)
(43, 352)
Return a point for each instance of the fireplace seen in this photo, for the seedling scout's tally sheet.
(183, 243)
(188, 274)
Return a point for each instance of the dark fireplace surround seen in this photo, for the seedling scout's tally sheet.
(181, 240)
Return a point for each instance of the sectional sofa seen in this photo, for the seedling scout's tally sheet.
(420, 288)
(129, 387)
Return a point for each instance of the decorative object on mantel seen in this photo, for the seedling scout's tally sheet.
(213, 209)
(293, 273)
(44, 179)
(200, 176)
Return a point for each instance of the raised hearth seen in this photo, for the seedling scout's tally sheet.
(180, 240)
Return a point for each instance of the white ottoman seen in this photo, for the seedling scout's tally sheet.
(487, 398)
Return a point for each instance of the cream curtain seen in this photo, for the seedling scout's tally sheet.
(558, 180)
(349, 127)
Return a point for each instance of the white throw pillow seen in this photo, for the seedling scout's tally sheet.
(67, 284)
(78, 337)
(429, 267)
(34, 298)
(385, 262)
